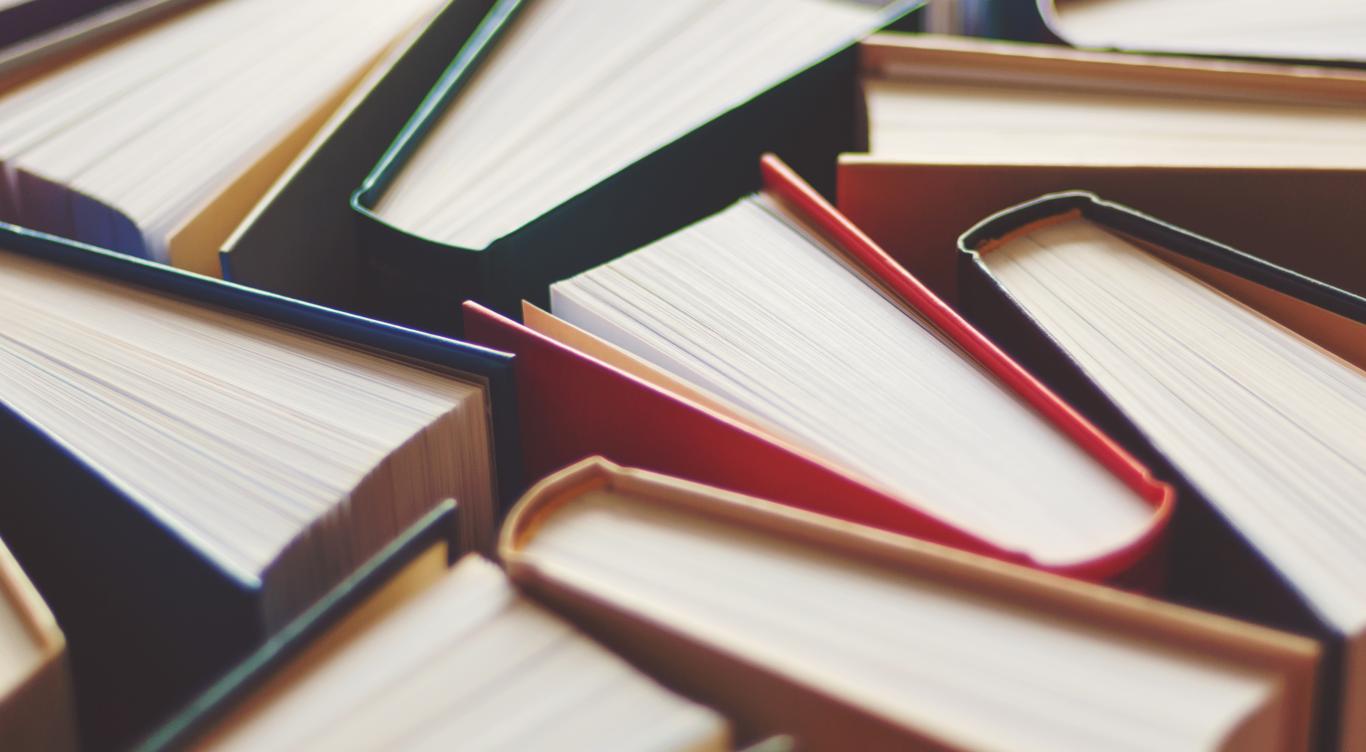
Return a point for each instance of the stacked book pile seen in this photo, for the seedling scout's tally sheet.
(705, 375)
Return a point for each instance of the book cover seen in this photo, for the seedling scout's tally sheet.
(1289, 210)
(435, 530)
(574, 405)
(1211, 565)
(822, 712)
(418, 282)
(136, 598)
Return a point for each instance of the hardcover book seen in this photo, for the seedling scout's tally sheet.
(192, 463)
(1239, 381)
(557, 140)
(849, 638)
(158, 143)
(901, 452)
(1267, 157)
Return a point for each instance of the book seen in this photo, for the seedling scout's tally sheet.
(157, 146)
(877, 453)
(36, 704)
(742, 307)
(404, 566)
(960, 128)
(850, 638)
(457, 657)
(212, 458)
(319, 260)
(1318, 31)
(556, 140)
(1240, 381)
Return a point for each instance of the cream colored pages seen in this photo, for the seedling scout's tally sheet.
(576, 90)
(471, 665)
(1308, 29)
(153, 130)
(965, 670)
(1266, 424)
(283, 457)
(750, 308)
(565, 333)
(980, 120)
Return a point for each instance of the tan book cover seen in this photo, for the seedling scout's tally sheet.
(767, 694)
(1294, 207)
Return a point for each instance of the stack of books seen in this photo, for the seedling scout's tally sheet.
(704, 375)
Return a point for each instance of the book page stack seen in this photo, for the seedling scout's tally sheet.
(159, 145)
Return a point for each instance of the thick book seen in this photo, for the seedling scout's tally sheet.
(488, 129)
(850, 638)
(1239, 381)
(158, 143)
(193, 462)
(959, 128)
(37, 707)
(575, 404)
(510, 675)
(1315, 31)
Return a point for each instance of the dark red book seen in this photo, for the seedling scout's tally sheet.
(573, 405)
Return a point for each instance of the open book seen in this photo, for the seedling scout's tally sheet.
(853, 639)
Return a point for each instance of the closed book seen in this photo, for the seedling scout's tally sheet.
(674, 175)
(416, 652)
(575, 404)
(158, 142)
(969, 126)
(173, 378)
(850, 638)
(392, 574)
(1187, 355)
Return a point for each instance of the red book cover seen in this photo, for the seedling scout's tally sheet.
(573, 406)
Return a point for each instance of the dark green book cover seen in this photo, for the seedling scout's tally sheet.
(419, 282)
